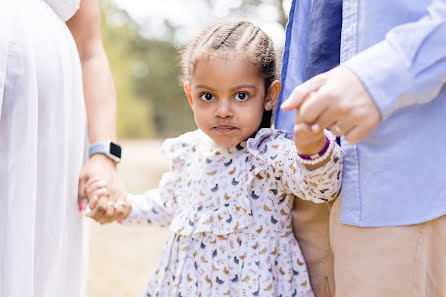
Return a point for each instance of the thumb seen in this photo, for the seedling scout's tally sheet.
(301, 92)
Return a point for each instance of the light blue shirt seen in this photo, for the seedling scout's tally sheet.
(396, 175)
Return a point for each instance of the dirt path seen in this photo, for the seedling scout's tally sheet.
(122, 259)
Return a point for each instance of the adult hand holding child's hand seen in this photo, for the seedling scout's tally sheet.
(100, 167)
(336, 100)
(103, 209)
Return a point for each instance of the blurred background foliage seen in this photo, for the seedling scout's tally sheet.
(151, 102)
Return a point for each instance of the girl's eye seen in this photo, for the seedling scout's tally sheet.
(207, 97)
(241, 96)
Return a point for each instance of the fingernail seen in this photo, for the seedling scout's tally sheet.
(81, 207)
(120, 221)
(315, 128)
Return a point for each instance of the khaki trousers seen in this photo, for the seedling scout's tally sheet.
(406, 261)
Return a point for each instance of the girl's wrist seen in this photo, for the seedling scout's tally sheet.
(312, 148)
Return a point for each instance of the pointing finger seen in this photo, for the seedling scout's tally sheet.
(299, 93)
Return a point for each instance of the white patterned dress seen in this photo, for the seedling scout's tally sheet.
(229, 216)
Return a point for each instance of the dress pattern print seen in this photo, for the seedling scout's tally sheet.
(228, 212)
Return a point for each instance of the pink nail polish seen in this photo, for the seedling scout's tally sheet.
(81, 207)
(120, 221)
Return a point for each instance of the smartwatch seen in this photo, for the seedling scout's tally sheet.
(108, 148)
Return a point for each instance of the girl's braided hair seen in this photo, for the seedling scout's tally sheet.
(238, 36)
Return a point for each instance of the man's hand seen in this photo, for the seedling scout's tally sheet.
(101, 167)
(336, 100)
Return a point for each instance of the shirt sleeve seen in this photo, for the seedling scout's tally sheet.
(409, 65)
(320, 185)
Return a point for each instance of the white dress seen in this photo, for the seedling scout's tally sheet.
(229, 216)
(43, 136)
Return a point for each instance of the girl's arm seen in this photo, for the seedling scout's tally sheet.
(155, 206)
(320, 182)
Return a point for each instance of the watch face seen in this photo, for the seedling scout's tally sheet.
(115, 150)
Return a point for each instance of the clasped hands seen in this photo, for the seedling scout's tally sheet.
(336, 100)
(102, 190)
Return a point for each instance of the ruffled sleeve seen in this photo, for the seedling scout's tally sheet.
(158, 206)
(277, 149)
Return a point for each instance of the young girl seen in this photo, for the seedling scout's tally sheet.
(232, 183)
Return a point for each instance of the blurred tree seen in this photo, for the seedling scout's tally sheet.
(283, 19)
(117, 29)
(150, 98)
(246, 6)
(151, 102)
(161, 87)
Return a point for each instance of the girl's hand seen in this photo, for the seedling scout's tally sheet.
(103, 210)
(309, 140)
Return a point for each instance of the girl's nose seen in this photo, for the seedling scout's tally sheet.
(224, 109)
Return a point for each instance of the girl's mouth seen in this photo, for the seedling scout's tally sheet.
(224, 128)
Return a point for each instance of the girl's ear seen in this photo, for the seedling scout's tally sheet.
(187, 90)
(272, 94)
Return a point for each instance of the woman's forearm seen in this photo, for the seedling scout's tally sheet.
(100, 98)
(99, 91)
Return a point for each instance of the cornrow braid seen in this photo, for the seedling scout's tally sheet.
(254, 34)
(225, 40)
(241, 36)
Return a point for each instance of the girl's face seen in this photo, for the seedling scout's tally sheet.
(227, 96)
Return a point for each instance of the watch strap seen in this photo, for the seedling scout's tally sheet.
(108, 148)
